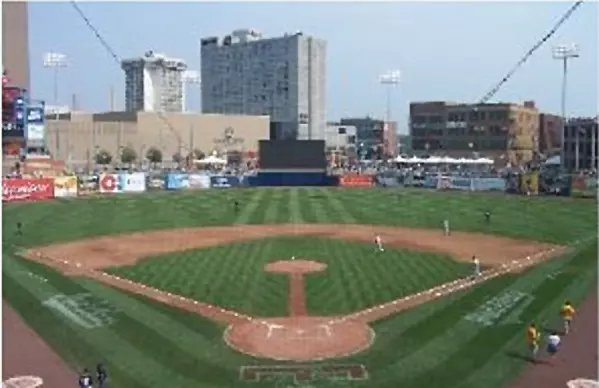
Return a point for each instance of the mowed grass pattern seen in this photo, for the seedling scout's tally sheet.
(232, 276)
(153, 345)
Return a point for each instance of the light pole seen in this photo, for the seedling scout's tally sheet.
(389, 80)
(56, 61)
(189, 78)
(564, 53)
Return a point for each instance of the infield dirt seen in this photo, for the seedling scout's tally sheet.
(87, 258)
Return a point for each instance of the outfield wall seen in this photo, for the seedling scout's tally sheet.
(33, 189)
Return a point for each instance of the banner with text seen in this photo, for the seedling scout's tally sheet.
(356, 181)
(224, 181)
(133, 183)
(199, 181)
(176, 181)
(65, 186)
(27, 189)
(109, 183)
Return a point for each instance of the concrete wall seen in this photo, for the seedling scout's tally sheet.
(72, 138)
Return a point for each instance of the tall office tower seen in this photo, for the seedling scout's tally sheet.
(15, 42)
(283, 77)
(154, 83)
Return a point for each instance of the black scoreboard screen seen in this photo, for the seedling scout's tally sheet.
(292, 154)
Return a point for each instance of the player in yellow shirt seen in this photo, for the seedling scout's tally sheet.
(532, 337)
(567, 312)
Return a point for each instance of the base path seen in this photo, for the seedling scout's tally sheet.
(296, 269)
(577, 358)
(24, 353)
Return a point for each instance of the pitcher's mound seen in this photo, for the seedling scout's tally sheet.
(295, 266)
(299, 338)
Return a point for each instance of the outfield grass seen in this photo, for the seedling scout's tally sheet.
(153, 345)
(232, 276)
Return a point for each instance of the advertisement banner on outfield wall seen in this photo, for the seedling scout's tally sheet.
(88, 184)
(133, 183)
(65, 186)
(199, 181)
(27, 189)
(109, 183)
(356, 181)
(176, 181)
(224, 181)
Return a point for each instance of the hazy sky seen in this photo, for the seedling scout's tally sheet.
(445, 51)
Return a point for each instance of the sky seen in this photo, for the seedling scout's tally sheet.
(454, 51)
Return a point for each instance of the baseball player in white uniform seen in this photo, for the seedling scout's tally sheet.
(379, 243)
(476, 266)
(446, 227)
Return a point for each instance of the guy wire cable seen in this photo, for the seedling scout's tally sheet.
(530, 52)
(116, 58)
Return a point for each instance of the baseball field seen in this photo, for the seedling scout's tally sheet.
(183, 290)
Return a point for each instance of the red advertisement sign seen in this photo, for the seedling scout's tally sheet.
(356, 181)
(27, 189)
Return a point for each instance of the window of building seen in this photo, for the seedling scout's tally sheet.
(341, 130)
(473, 116)
(418, 119)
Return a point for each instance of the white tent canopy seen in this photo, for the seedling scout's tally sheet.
(441, 160)
(210, 160)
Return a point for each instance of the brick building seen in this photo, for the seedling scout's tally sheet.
(501, 131)
(581, 133)
(374, 138)
(550, 140)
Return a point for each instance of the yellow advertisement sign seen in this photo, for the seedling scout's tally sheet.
(65, 186)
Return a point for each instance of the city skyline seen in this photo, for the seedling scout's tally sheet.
(458, 58)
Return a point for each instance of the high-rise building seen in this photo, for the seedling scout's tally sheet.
(154, 83)
(283, 77)
(15, 43)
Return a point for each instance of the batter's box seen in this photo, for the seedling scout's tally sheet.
(303, 372)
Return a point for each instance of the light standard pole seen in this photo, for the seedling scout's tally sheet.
(564, 53)
(189, 78)
(389, 80)
(56, 61)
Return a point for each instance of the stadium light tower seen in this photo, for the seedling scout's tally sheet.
(390, 80)
(56, 61)
(189, 78)
(564, 53)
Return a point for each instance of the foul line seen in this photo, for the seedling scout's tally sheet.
(393, 307)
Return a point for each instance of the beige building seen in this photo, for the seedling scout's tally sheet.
(75, 136)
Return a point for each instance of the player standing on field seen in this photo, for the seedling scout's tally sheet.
(532, 337)
(379, 243)
(476, 266)
(446, 227)
(567, 312)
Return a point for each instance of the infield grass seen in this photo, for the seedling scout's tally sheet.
(356, 277)
(153, 345)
